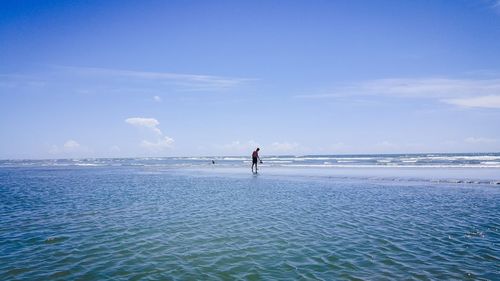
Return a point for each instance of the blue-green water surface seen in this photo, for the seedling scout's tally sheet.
(127, 223)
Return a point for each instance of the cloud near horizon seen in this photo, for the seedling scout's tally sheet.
(284, 146)
(162, 143)
(159, 145)
(482, 140)
(70, 147)
(246, 147)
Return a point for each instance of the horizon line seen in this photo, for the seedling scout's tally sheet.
(270, 155)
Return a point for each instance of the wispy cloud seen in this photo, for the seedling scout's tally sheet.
(188, 82)
(15, 81)
(479, 140)
(491, 101)
(90, 80)
(463, 92)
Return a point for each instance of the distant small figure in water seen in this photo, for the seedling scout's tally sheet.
(213, 162)
(255, 158)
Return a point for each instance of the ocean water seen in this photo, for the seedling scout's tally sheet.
(172, 219)
(443, 160)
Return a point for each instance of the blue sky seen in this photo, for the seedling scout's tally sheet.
(181, 78)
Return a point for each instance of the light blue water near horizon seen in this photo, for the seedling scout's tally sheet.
(176, 222)
(422, 160)
(481, 168)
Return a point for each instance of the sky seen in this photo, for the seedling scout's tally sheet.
(190, 78)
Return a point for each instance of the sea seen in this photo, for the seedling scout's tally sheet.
(312, 217)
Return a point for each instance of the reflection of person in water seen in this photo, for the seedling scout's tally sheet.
(255, 158)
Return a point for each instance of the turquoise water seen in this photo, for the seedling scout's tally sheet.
(144, 223)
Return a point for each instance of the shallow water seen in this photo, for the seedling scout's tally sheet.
(138, 223)
(421, 160)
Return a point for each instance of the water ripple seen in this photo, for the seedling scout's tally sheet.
(125, 224)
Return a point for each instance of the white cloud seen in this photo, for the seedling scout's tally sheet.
(284, 146)
(479, 140)
(157, 99)
(102, 80)
(161, 144)
(195, 82)
(432, 87)
(462, 92)
(149, 123)
(71, 145)
(491, 101)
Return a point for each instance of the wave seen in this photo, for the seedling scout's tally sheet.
(465, 157)
(489, 160)
(392, 165)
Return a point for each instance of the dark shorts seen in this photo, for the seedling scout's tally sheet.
(254, 160)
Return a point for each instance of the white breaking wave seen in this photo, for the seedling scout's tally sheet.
(491, 160)
(465, 157)
(490, 163)
(393, 165)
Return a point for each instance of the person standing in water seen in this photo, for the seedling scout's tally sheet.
(255, 158)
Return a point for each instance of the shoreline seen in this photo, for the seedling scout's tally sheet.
(431, 174)
(477, 175)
